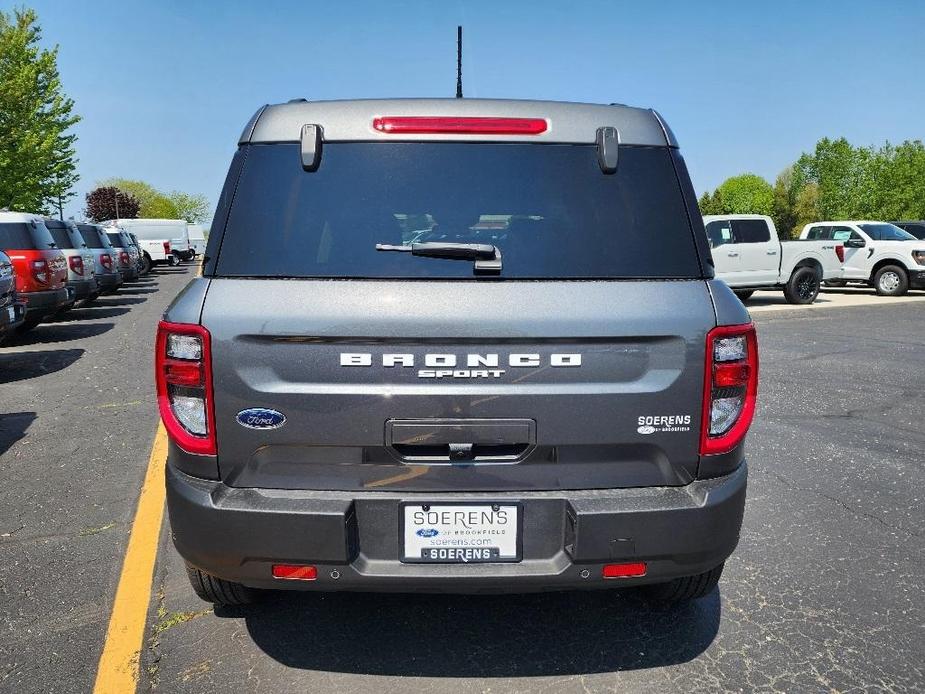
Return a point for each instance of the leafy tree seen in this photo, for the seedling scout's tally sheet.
(805, 208)
(746, 194)
(192, 208)
(38, 164)
(101, 204)
(152, 203)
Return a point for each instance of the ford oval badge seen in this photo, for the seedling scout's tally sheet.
(427, 532)
(261, 418)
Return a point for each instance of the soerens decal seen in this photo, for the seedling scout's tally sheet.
(650, 424)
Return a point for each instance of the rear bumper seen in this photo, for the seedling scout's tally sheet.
(83, 288)
(129, 274)
(40, 305)
(10, 319)
(239, 533)
(109, 281)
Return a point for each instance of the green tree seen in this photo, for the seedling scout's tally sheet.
(711, 203)
(805, 208)
(192, 208)
(845, 178)
(151, 202)
(38, 164)
(746, 194)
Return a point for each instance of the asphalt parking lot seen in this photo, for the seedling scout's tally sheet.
(825, 592)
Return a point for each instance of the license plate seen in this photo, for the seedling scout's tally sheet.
(463, 533)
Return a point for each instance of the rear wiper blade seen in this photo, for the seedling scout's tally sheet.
(486, 256)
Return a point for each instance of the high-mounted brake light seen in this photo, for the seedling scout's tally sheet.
(183, 374)
(399, 125)
(730, 387)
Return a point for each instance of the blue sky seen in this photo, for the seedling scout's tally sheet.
(165, 87)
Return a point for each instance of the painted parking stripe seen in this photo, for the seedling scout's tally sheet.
(117, 672)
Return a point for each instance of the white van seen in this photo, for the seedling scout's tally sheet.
(197, 239)
(173, 230)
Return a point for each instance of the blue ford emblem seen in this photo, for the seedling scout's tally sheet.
(428, 532)
(261, 418)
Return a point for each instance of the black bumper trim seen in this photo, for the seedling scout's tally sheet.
(238, 533)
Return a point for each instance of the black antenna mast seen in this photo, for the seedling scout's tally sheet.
(459, 62)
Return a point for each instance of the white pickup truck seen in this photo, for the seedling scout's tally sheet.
(879, 254)
(748, 255)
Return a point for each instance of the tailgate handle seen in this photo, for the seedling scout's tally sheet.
(449, 441)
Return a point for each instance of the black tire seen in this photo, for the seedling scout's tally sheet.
(146, 264)
(26, 326)
(218, 590)
(835, 283)
(891, 280)
(687, 587)
(173, 260)
(743, 294)
(803, 286)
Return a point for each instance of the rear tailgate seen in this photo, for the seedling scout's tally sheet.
(605, 389)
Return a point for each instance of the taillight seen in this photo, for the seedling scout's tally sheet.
(40, 271)
(167, 247)
(480, 125)
(106, 261)
(76, 264)
(840, 252)
(123, 258)
(730, 387)
(183, 372)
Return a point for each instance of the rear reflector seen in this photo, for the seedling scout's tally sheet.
(295, 572)
(630, 570)
(396, 125)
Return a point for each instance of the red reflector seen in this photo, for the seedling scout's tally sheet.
(731, 375)
(295, 572)
(457, 124)
(183, 373)
(624, 570)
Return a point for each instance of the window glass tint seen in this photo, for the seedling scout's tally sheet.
(816, 233)
(116, 239)
(549, 209)
(719, 232)
(60, 233)
(886, 232)
(751, 231)
(90, 236)
(917, 230)
(16, 235)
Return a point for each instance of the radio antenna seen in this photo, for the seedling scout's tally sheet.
(459, 62)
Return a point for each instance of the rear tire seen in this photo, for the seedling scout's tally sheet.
(145, 264)
(687, 587)
(26, 326)
(173, 261)
(218, 590)
(743, 294)
(891, 280)
(803, 286)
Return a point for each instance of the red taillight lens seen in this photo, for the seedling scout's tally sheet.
(397, 125)
(295, 572)
(40, 271)
(106, 261)
(628, 570)
(730, 387)
(840, 252)
(183, 373)
(76, 264)
(124, 258)
(167, 247)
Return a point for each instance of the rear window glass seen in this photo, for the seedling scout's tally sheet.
(24, 236)
(92, 237)
(751, 231)
(116, 239)
(886, 232)
(548, 208)
(61, 234)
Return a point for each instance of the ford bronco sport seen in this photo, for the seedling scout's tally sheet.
(456, 346)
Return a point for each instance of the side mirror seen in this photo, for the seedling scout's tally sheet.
(855, 243)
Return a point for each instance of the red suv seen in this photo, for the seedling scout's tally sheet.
(41, 269)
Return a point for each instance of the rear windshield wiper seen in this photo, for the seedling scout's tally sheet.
(486, 256)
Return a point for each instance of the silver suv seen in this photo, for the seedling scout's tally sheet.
(477, 348)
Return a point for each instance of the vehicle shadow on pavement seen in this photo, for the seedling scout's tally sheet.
(59, 332)
(89, 313)
(117, 301)
(132, 290)
(479, 636)
(13, 427)
(21, 366)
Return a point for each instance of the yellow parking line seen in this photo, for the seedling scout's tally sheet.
(117, 672)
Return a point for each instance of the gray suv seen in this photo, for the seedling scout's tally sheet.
(477, 348)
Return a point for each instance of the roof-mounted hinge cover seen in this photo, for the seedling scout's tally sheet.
(608, 148)
(311, 146)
